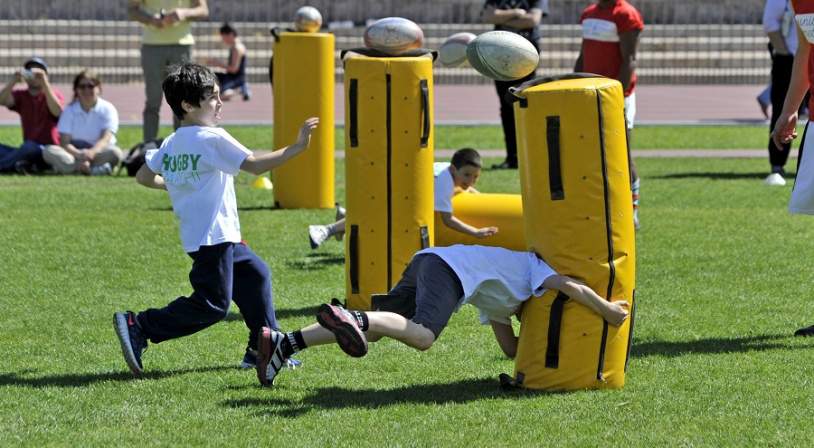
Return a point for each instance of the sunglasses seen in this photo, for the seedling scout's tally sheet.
(85, 86)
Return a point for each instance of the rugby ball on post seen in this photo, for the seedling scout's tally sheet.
(393, 35)
(453, 51)
(502, 55)
(307, 19)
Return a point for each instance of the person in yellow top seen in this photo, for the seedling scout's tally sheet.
(166, 40)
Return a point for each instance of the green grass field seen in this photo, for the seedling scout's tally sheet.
(723, 280)
(491, 137)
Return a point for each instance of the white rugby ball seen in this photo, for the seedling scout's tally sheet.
(502, 55)
(307, 19)
(453, 51)
(393, 35)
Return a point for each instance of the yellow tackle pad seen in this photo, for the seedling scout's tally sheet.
(303, 87)
(388, 170)
(578, 215)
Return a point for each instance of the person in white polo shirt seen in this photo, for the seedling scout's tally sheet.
(87, 132)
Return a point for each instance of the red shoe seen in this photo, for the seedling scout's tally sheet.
(343, 325)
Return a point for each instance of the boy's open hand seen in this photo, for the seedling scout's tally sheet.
(486, 231)
(308, 126)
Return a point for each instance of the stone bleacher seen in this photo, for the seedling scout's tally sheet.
(668, 54)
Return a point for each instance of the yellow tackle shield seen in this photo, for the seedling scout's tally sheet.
(303, 87)
(389, 170)
(504, 211)
(578, 216)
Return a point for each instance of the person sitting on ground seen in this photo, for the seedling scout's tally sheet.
(87, 132)
(234, 75)
(39, 106)
(459, 175)
(435, 284)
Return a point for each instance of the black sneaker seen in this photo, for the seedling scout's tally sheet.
(807, 331)
(131, 339)
(25, 167)
(343, 325)
(270, 359)
(505, 165)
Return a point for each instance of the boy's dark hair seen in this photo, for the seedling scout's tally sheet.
(226, 28)
(465, 156)
(187, 82)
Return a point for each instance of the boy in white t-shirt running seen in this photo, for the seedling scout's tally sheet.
(459, 175)
(196, 165)
(436, 283)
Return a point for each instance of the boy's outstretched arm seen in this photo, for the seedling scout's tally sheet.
(504, 334)
(456, 224)
(260, 163)
(145, 176)
(613, 312)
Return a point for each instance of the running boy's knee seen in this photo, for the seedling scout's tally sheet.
(424, 340)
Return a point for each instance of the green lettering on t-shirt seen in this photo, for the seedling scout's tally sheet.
(195, 158)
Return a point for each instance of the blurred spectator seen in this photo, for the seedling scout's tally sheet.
(234, 75)
(87, 132)
(778, 22)
(521, 17)
(39, 106)
(610, 39)
(166, 40)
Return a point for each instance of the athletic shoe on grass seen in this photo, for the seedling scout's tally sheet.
(317, 234)
(270, 358)
(343, 325)
(250, 361)
(132, 340)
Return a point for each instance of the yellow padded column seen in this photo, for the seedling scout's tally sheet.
(504, 211)
(388, 163)
(303, 87)
(578, 216)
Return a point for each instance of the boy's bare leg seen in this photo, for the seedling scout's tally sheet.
(381, 324)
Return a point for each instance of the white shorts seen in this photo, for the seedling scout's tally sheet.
(630, 110)
(802, 196)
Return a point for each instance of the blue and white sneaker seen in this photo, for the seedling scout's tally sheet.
(270, 355)
(131, 339)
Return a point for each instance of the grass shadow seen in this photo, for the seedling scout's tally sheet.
(718, 176)
(316, 261)
(710, 346)
(306, 311)
(26, 378)
(332, 398)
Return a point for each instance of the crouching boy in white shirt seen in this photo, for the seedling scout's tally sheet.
(435, 284)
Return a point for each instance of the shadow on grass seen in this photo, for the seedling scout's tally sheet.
(710, 346)
(329, 398)
(316, 261)
(306, 311)
(251, 208)
(717, 176)
(27, 378)
(281, 313)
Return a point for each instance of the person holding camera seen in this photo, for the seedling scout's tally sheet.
(39, 106)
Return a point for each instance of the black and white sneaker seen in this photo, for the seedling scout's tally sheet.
(342, 324)
(132, 340)
(807, 331)
(270, 359)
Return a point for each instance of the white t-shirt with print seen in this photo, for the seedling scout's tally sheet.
(495, 280)
(198, 165)
(89, 126)
(444, 187)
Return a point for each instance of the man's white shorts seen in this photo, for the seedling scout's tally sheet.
(802, 196)
(630, 110)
